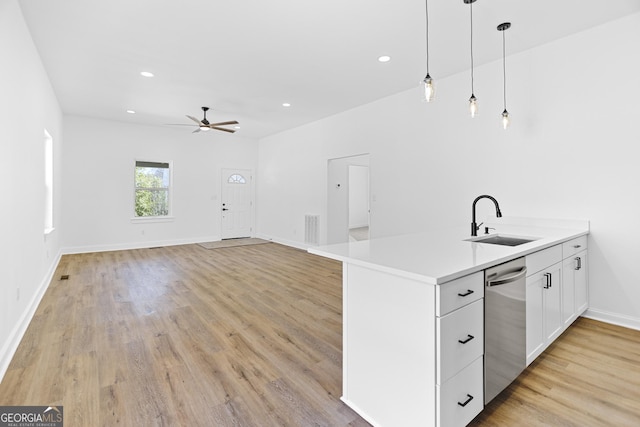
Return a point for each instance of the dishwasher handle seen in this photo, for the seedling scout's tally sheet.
(508, 277)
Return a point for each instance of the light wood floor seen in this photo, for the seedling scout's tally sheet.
(589, 376)
(252, 336)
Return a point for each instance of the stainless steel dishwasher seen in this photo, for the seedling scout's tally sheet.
(505, 345)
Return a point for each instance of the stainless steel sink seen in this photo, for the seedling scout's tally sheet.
(497, 239)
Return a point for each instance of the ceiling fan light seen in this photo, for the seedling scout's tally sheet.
(205, 128)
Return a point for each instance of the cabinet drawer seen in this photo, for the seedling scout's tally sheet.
(458, 293)
(574, 246)
(460, 340)
(543, 259)
(466, 389)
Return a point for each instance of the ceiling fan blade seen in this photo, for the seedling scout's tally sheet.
(232, 122)
(196, 131)
(194, 119)
(223, 129)
(177, 124)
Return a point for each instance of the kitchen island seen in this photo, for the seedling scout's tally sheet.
(413, 317)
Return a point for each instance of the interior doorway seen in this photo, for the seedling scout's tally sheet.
(236, 203)
(348, 199)
(359, 208)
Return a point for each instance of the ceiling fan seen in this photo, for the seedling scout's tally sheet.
(205, 126)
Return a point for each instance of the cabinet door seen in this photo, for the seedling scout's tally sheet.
(581, 283)
(460, 340)
(552, 307)
(544, 311)
(574, 287)
(459, 400)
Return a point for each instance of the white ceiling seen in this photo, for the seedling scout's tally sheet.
(244, 58)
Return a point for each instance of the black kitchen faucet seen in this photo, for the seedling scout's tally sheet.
(474, 226)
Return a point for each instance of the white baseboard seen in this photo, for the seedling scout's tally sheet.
(136, 245)
(613, 318)
(285, 242)
(11, 345)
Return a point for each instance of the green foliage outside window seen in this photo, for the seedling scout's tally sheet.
(152, 191)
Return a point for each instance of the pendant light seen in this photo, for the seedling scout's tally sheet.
(473, 101)
(427, 83)
(506, 120)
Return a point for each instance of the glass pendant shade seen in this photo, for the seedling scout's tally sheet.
(473, 106)
(429, 88)
(473, 101)
(506, 120)
(427, 83)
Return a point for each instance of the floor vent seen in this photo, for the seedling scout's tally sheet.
(312, 229)
(64, 277)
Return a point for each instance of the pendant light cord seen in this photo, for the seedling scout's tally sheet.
(427, 32)
(504, 71)
(471, 9)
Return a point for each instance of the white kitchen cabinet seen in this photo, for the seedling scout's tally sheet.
(581, 283)
(401, 361)
(575, 293)
(411, 304)
(460, 339)
(543, 300)
(460, 292)
(460, 399)
(557, 292)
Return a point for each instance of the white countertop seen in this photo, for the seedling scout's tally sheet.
(439, 256)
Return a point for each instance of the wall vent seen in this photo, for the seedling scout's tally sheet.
(312, 229)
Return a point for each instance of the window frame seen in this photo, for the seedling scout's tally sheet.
(169, 189)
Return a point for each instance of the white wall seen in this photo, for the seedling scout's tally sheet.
(28, 107)
(570, 153)
(358, 196)
(99, 160)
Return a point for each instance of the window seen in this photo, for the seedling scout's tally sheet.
(48, 183)
(152, 186)
(236, 179)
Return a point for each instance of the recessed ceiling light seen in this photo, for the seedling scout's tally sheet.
(286, 104)
(146, 74)
(131, 112)
(384, 58)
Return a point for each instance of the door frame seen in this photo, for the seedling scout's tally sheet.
(224, 173)
(338, 196)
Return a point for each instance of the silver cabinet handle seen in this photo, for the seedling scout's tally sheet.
(577, 246)
(466, 294)
(547, 277)
(578, 261)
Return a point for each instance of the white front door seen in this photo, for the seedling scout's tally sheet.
(236, 203)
